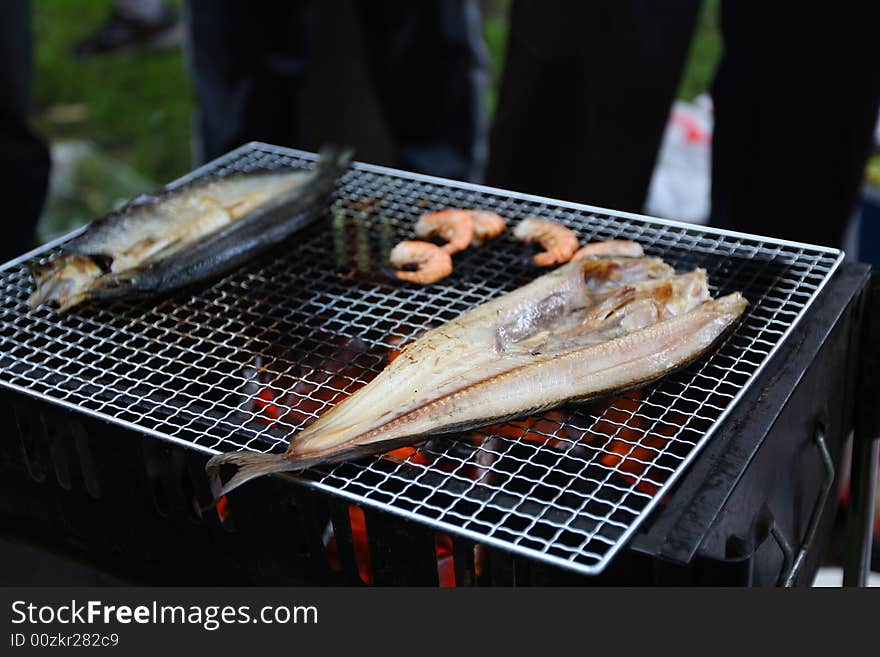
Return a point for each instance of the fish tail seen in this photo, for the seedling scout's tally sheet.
(249, 465)
(116, 285)
(338, 158)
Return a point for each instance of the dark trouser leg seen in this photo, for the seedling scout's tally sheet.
(430, 69)
(585, 96)
(247, 61)
(24, 158)
(796, 98)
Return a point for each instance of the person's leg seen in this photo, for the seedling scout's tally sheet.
(24, 157)
(430, 65)
(247, 61)
(145, 11)
(129, 25)
(796, 98)
(585, 96)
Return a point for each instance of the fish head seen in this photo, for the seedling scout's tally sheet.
(65, 281)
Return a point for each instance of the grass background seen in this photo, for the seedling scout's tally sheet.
(137, 108)
(134, 107)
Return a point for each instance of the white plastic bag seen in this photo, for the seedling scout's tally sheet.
(680, 187)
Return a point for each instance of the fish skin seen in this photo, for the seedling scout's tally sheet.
(139, 230)
(161, 241)
(464, 374)
(227, 248)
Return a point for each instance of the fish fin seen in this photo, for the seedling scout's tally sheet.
(37, 297)
(42, 270)
(127, 283)
(249, 465)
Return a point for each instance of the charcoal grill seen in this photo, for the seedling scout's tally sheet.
(104, 392)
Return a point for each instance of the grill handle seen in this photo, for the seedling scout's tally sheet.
(792, 563)
(866, 444)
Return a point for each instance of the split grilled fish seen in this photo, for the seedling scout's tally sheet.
(163, 241)
(596, 326)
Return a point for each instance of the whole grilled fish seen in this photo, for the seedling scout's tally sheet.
(590, 328)
(163, 241)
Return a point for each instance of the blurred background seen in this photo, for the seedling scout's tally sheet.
(120, 120)
(118, 112)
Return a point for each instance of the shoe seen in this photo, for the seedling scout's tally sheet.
(122, 34)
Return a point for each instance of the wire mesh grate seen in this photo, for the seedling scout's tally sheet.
(246, 360)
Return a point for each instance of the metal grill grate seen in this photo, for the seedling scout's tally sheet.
(247, 360)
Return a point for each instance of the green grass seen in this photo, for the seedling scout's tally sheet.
(135, 107)
(873, 174)
(495, 35)
(704, 53)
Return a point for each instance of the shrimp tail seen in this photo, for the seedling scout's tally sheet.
(249, 465)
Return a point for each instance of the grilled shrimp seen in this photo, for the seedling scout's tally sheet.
(558, 241)
(454, 226)
(610, 248)
(432, 262)
(487, 226)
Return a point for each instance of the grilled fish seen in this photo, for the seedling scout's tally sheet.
(159, 242)
(594, 326)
